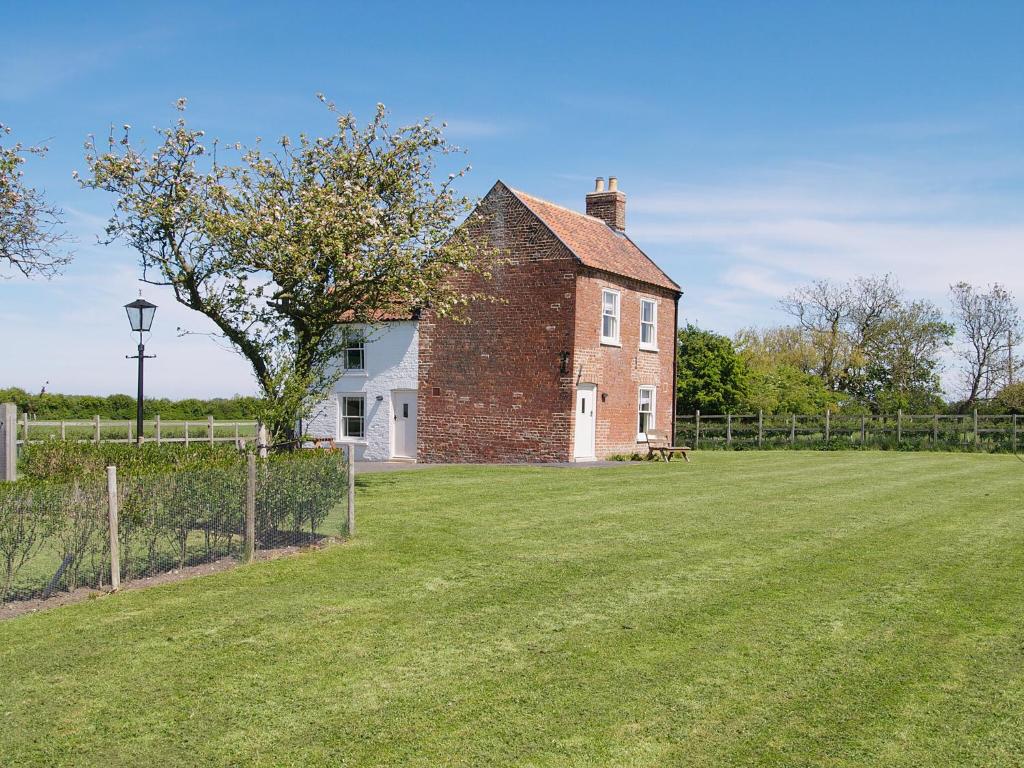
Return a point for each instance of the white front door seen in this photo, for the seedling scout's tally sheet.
(403, 409)
(586, 406)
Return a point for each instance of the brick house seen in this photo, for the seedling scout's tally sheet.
(575, 362)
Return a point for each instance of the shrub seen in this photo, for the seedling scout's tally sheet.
(67, 459)
(178, 506)
(29, 513)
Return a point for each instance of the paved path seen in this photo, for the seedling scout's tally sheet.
(401, 466)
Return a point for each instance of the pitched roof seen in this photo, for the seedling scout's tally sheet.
(595, 243)
(384, 316)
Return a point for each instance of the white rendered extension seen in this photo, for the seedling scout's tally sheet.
(391, 366)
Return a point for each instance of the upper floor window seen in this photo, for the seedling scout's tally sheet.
(645, 411)
(354, 356)
(648, 324)
(609, 316)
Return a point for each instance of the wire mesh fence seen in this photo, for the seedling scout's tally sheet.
(898, 431)
(56, 535)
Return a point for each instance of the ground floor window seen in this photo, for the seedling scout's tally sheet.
(645, 411)
(353, 419)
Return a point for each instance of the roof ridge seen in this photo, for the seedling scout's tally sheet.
(595, 259)
(565, 208)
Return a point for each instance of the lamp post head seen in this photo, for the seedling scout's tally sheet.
(140, 314)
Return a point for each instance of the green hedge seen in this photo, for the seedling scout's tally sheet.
(178, 506)
(52, 406)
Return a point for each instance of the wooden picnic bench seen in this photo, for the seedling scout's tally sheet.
(658, 442)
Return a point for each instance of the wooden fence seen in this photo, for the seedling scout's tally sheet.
(973, 431)
(97, 430)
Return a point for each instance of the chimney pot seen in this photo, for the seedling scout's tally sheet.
(609, 205)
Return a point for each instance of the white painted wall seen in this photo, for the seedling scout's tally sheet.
(392, 362)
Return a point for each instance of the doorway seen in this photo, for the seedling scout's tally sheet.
(586, 407)
(403, 409)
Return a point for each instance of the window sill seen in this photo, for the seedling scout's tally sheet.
(648, 349)
(355, 373)
(352, 441)
(610, 343)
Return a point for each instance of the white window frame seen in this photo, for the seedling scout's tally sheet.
(653, 411)
(616, 339)
(355, 343)
(343, 417)
(650, 346)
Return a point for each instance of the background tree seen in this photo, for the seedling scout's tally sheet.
(781, 363)
(276, 246)
(822, 310)
(903, 359)
(32, 234)
(869, 345)
(1010, 398)
(711, 375)
(989, 324)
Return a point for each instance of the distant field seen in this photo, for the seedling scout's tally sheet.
(748, 609)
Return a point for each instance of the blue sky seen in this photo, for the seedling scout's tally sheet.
(761, 144)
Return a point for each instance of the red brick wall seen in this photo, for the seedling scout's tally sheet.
(620, 371)
(502, 396)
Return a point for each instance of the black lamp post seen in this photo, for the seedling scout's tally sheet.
(140, 315)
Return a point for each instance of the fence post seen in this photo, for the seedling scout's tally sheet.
(350, 457)
(63, 430)
(935, 431)
(115, 542)
(24, 427)
(863, 430)
(156, 428)
(760, 426)
(728, 429)
(250, 508)
(8, 442)
(186, 434)
(828, 424)
(1014, 438)
(696, 437)
(96, 428)
(262, 438)
(899, 426)
(209, 428)
(130, 432)
(792, 429)
(976, 438)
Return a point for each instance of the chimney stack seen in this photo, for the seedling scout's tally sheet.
(610, 205)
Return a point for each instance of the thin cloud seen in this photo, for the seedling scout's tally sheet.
(838, 224)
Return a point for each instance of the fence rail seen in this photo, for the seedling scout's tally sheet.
(973, 431)
(97, 430)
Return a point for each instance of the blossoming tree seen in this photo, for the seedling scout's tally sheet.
(32, 231)
(275, 245)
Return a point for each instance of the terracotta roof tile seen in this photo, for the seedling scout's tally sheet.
(595, 243)
(385, 316)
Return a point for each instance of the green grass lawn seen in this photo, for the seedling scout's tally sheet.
(778, 608)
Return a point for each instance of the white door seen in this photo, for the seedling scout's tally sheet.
(586, 406)
(403, 408)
